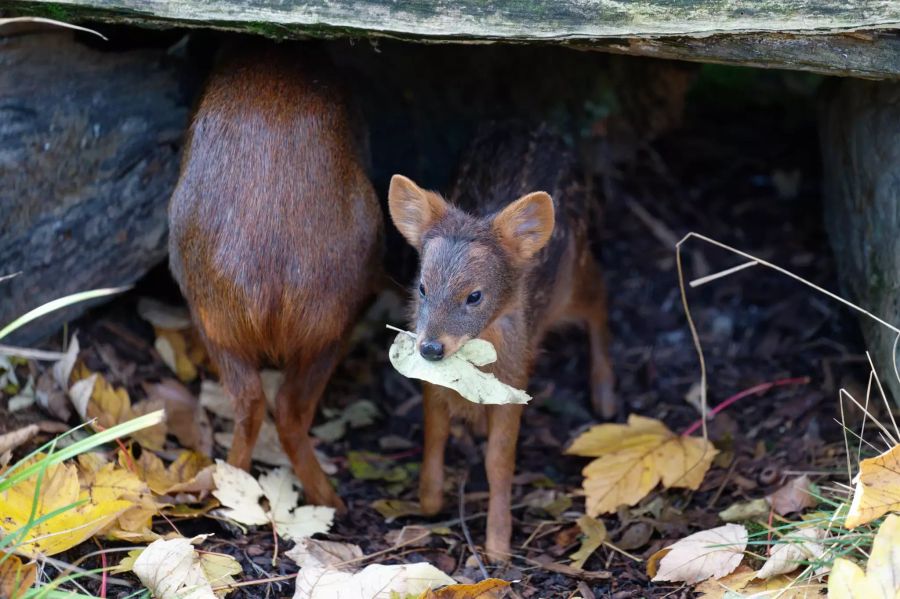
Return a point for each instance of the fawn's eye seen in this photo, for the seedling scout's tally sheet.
(474, 298)
(422, 289)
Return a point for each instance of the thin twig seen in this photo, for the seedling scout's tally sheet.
(399, 330)
(465, 527)
(721, 273)
(44, 21)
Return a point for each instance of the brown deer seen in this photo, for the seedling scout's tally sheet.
(275, 240)
(505, 271)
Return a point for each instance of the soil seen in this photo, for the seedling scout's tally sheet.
(745, 174)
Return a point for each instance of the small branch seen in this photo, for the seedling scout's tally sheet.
(393, 328)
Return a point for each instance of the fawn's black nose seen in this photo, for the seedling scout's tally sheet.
(432, 350)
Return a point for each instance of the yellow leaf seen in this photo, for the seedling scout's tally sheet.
(877, 488)
(161, 479)
(633, 458)
(595, 533)
(491, 588)
(173, 569)
(881, 580)
(743, 583)
(59, 489)
(15, 577)
(182, 352)
(111, 406)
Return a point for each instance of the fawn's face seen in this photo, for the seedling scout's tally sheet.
(469, 267)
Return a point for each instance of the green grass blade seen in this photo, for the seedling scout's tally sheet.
(14, 474)
(56, 305)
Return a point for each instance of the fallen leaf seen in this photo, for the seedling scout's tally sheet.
(391, 509)
(162, 479)
(881, 580)
(414, 535)
(173, 569)
(551, 501)
(653, 561)
(357, 415)
(172, 348)
(240, 495)
(60, 488)
(877, 488)
(13, 439)
(594, 532)
(331, 554)
(16, 578)
(375, 581)
(802, 545)
(490, 588)
(162, 315)
(795, 496)
(633, 458)
(746, 510)
(707, 554)
(62, 369)
(95, 398)
(458, 372)
(365, 465)
(184, 416)
(743, 583)
(635, 536)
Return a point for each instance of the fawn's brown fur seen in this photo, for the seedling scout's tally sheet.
(504, 272)
(275, 240)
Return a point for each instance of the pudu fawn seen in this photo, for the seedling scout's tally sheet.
(275, 240)
(504, 272)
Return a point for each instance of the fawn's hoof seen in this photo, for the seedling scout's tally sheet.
(431, 503)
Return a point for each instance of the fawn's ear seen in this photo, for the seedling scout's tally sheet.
(414, 210)
(525, 226)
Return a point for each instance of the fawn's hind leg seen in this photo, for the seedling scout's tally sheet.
(295, 408)
(589, 305)
(242, 383)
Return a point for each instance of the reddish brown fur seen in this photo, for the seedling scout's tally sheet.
(534, 268)
(275, 240)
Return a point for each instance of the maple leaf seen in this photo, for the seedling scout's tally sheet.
(240, 495)
(161, 479)
(881, 579)
(877, 488)
(710, 553)
(594, 534)
(633, 458)
(73, 514)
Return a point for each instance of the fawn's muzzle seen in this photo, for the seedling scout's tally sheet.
(432, 350)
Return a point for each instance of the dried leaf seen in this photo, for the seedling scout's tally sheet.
(458, 372)
(173, 349)
(13, 439)
(877, 488)
(16, 578)
(184, 416)
(162, 479)
(743, 583)
(172, 569)
(163, 315)
(795, 496)
(59, 488)
(240, 495)
(491, 588)
(633, 458)
(707, 554)
(413, 535)
(802, 545)
(594, 534)
(391, 509)
(375, 581)
(330, 554)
